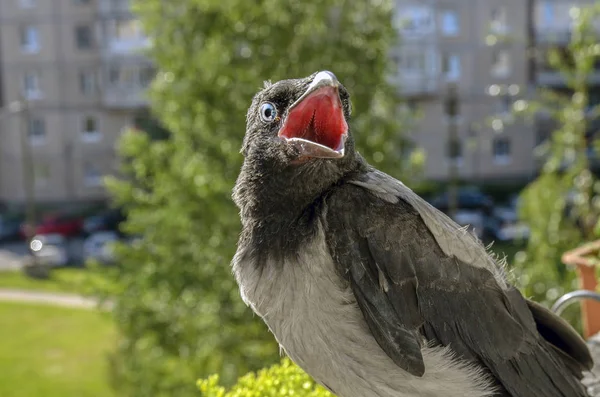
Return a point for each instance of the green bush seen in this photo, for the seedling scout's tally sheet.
(282, 380)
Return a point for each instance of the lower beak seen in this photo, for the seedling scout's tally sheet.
(312, 149)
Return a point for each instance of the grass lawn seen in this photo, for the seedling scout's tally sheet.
(50, 351)
(65, 280)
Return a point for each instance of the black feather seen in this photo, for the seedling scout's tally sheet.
(409, 289)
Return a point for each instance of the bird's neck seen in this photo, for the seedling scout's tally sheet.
(272, 200)
(284, 194)
(275, 221)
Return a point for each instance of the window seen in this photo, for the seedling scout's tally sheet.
(113, 75)
(451, 67)
(547, 13)
(36, 131)
(41, 175)
(449, 23)
(412, 106)
(29, 39)
(146, 76)
(500, 63)
(83, 37)
(87, 82)
(129, 75)
(412, 62)
(455, 151)
(501, 147)
(89, 131)
(504, 105)
(498, 20)
(31, 85)
(415, 20)
(395, 58)
(26, 3)
(92, 176)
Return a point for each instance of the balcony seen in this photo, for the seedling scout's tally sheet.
(416, 85)
(124, 98)
(557, 35)
(133, 47)
(415, 22)
(416, 68)
(553, 35)
(126, 85)
(552, 78)
(124, 37)
(114, 8)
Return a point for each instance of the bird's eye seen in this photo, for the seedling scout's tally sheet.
(268, 112)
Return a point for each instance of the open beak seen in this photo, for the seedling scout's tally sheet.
(315, 123)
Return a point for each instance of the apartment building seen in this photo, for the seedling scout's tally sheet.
(466, 43)
(78, 65)
(553, 28)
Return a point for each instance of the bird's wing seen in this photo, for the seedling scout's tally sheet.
(418, 277)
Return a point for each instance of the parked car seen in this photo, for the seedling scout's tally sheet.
(504, 225)
(98, 246)
(468, 198)
(10, 226)
(67, 225)
(50, 249)
(105, 221)
(473, 219)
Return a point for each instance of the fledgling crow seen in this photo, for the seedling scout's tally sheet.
(367, 287)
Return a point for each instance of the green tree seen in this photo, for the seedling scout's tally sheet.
(560, 205)
(178, 310)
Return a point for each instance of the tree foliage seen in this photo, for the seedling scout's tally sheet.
(561, 205)
(178, 310)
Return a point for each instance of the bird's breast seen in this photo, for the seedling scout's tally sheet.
(314, 316)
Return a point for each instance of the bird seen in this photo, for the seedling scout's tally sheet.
(366, 286)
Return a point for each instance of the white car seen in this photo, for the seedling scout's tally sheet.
(473, 219)
(504, 225)
(50, 249)
(99, 246)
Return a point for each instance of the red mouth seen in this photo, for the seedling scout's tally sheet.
(319, 119)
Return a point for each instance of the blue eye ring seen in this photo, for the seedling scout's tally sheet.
(268, 112)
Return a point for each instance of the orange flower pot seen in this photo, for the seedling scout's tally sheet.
(582, 259)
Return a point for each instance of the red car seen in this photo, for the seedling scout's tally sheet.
(65, 225)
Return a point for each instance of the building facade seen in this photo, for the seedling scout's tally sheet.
(481, 48)
(78, 65)
(553, 28)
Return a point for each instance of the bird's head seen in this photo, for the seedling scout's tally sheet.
(297, 137)
(296, 121)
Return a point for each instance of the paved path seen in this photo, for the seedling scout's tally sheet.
(50, 298)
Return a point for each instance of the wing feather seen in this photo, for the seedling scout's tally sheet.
(418, 279)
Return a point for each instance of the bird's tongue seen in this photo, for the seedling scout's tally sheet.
(318, 118)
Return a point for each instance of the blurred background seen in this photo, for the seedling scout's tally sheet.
(120, 128)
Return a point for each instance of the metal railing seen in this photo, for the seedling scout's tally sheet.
(567, 299)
